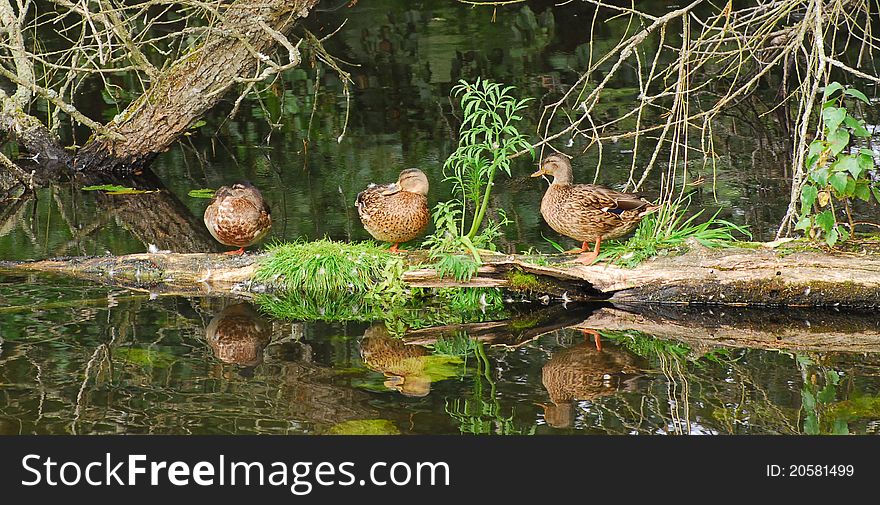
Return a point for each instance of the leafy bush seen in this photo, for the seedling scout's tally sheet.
(835, 171)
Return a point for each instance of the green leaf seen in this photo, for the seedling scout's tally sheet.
(838, 140)
(850, 187)
(832, 117)
(857, 94)
(827, 394)
(838, 181)
(831, 237)
(201, 193)
(832, 88)
(803, 224)
(114, 189)
(808, 196)
(811, 424)
(862, 191)
(844, 235)
(866, 161)
(849, 163)
(840, 427)
(820, 176)
(876, 192)
(816, 147)
(825, 220)
(807, 400)
(857, 125)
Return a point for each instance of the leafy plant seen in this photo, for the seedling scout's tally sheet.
(487, 138)
(669, 228)
(834, 172)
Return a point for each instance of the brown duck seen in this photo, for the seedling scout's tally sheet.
(586, 212)
(584, 372)
(403, 365)
(238, 335)
(238, 216)
(396, 212)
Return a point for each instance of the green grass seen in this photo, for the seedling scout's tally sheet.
(325, 271)
(334, 281)
(667, 229)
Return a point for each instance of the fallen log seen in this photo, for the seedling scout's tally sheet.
(730, 277)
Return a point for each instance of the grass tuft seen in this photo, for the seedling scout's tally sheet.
(323, 270)
(668, 229)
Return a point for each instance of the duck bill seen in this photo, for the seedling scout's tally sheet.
(539, 173)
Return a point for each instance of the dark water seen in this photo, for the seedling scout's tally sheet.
(78, 358)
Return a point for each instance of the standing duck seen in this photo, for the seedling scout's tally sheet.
(586, 212)
(396, 212)
(238, 216)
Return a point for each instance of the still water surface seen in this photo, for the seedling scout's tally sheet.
(80, 358)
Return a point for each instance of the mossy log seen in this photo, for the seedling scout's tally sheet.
(732, 277)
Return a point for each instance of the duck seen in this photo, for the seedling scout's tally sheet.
(588, 213)
(238, 216)
(585, 372)
(404, 366)
(396, 212)
(238, 335)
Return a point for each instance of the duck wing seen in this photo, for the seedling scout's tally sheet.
(610, 200)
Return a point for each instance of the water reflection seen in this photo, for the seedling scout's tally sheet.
(238, 334)
(405, 366)
(585, 372)
(90, 359)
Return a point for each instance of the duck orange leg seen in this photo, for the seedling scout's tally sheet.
(596, 338)
(590, 257)
(238, 251)
(395, 248)
(583, 248)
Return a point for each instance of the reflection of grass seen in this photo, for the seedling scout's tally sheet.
(145, 357)
(649, 347)
(458, 345)
(481, 413)
(364, 427)
(410, 309)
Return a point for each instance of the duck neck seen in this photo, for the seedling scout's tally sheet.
(563, 177)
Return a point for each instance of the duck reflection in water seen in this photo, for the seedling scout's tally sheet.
(238, 335)
(403, 365)
(585, 372)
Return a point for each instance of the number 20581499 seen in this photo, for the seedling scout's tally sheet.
(810, 470)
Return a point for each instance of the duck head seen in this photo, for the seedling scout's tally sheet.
(556, 165)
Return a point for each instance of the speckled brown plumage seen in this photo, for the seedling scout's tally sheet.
(396, 212)
(587, 212)
(583, 373)
(403, 365)
(238, 335)
(238, 216)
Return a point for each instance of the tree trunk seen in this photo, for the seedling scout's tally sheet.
(193, 85)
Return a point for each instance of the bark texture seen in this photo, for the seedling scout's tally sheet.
(738, 277)
(194, 84)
